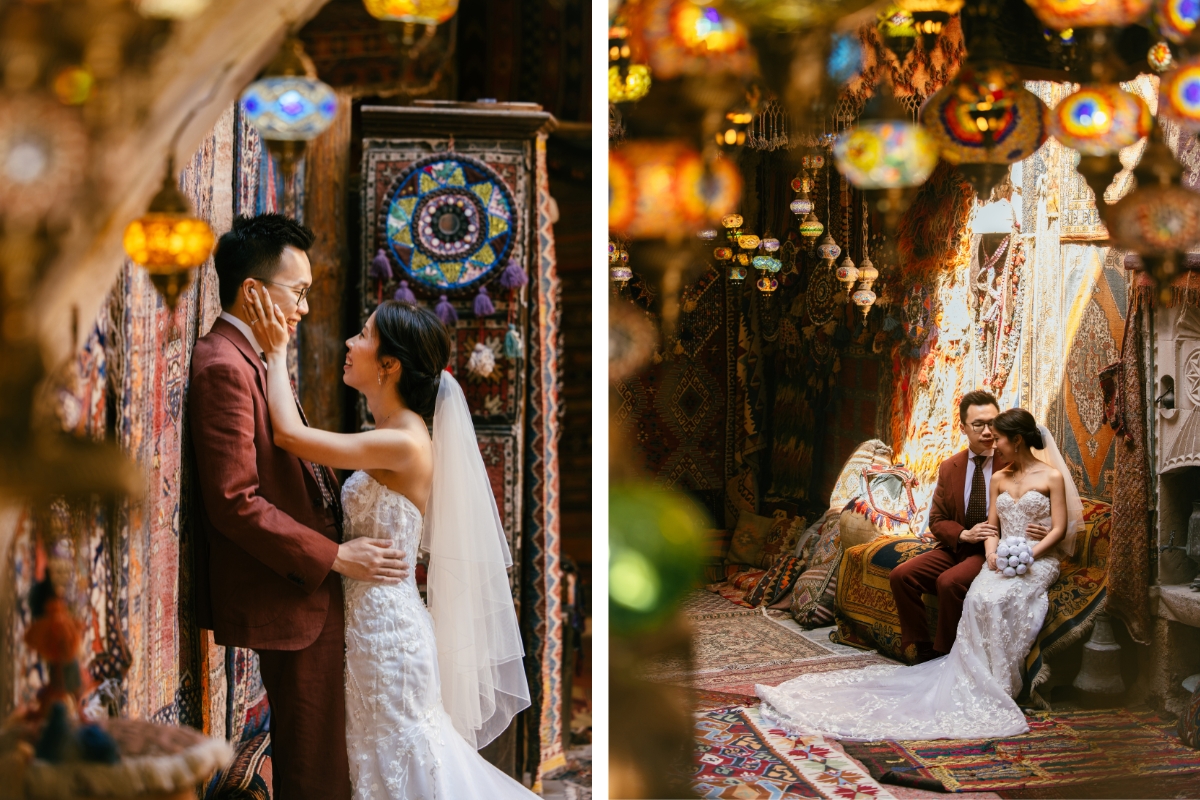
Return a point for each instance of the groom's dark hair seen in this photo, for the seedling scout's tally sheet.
(253, 248)
(976, 398)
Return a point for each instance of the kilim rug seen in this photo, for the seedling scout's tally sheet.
(1060, 749)
(739, 756)
(707, 700)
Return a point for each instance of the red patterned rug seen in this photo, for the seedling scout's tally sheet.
(1060, 750)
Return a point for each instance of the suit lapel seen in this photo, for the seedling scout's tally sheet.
(223, 328)
(960, 484)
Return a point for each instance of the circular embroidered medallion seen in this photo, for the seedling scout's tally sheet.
(449, 222)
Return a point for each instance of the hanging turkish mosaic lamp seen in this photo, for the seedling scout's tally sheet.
(171, 9)
(1060, 15)
(802, 204)
(930, 17)
(768, 267)
(169, 241)
(288, 105)
(847, 273)
(867, 274)
(864, 299)
(898, 29)
(412, 12)
(627, 82)
(886, 153)
(767, 284)
(1160, 219)
(1159, 57)
(618, 265)
(1179, 94)
(1175, 19)
(828, 249)
(1097, 122)
(811, 227)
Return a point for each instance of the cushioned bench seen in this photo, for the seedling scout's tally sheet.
(866, 613)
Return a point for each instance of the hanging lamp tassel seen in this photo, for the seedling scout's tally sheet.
(512, 343)
(404, 294)
(381, 271)
(483, 303)
(513, 276)
(446, 312)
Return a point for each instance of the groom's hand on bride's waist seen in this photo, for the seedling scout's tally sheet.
(374, 560)
(1036, 532)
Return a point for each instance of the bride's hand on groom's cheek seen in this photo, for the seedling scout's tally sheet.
(373, 560)
(266, 320)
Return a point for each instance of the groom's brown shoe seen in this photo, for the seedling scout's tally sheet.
(925, 652)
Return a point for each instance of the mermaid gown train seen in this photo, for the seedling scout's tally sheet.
(401, 742)
(967, 694)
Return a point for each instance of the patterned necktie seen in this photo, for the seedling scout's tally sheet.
(977, 504)
(320, 472)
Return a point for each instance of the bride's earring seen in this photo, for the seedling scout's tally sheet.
(379, 378)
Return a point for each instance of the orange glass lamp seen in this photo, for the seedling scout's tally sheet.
(416, 12)
(169, 241)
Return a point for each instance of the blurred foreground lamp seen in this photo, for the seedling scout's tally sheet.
(171, 9)
(169, 241)
(627, 82)
(930, 16)
(898, 29)
(886, 152)
(703, 29)
(1098, 121)
(1063, 14)
(1176, 19)
(412, 12)
(1159, 57)
(1160, 219)
(664, 189)
(732, 133)
(1179, 95)
(288, 105)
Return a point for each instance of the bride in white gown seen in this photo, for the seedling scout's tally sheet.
(968, 693)
(424, 687)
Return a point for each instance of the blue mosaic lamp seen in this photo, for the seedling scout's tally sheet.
(288, 105)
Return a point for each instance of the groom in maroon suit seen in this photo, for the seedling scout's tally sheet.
(268, 549)
(958, 520)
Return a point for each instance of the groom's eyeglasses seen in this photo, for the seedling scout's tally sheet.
(979, 426)
(301, 292)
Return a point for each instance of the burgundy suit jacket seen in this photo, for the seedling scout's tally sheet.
(949, 511)
(265, 545)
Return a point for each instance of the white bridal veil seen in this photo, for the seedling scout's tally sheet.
(478, 642)
(1054, 458)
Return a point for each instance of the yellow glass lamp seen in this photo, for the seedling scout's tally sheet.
(172, 9)
(627, 82)
(416, 12)
(168, 241)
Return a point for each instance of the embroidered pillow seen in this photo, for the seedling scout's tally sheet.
(777, 582)
(748, 540)
(849, 480)
(812, 598)
(1189, 722)
(885, 506)
(738, 585)
(781, 539)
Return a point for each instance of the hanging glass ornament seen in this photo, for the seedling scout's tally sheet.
(707, 234)
(887, 154)
(618, 265)
(813, 161)
(169, 241)
(828, 249)
(737, 273)
(1176, 19)
(723, 253)
(732, 132)
(627, 82)
(769, 244)
(1062, 14)
(867, 274)
(767, 263)
(1159, 57)
(731, 221)
(802, 205)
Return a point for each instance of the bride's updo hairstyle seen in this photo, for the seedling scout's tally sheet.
(1019, 422)
(417, 339)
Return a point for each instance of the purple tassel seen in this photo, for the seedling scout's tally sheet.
(483, 303)
(404, 294)
(513, 276)
(381, 268)
(446, 312)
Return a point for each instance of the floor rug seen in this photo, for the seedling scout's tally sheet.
(740, 756)
(705, 700)
(1060, 749)
(703, 604)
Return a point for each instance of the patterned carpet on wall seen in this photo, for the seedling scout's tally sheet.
(1061, 749)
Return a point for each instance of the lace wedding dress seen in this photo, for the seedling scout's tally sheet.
(402, 744)
(967, 694)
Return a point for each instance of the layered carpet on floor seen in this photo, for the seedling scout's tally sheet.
(733, 648)
(1061, 749)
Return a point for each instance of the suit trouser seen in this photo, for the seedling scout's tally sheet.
(943, 572)
(307, 694)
